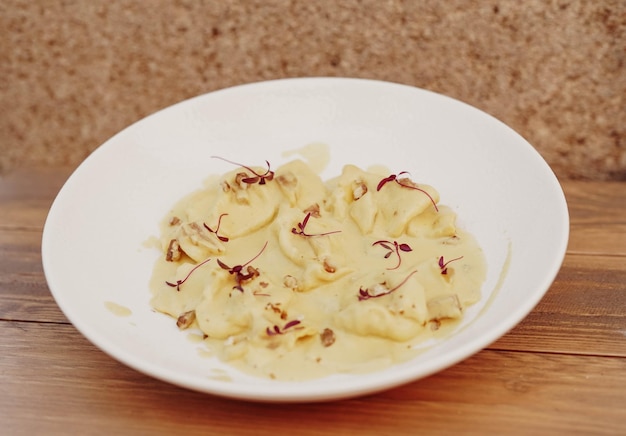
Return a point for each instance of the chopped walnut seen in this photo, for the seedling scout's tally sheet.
(252, 272)
(408, 182)
(290, 282)
(173, 251)
(359, 190)
(434, 324)
(239, 180)
(276, 309)
(328, 266)
(185, 320)
(327, 337)
(199, 235)
(314, 210)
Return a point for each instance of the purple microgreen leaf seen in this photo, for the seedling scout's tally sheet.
(217, 229)
(260, 178)
(444, 265)
(300, 230)
(364, 294)
(432, 200)
(405, 247)
(290, 324)
(385, 180)
(395, 177)
(180, 282)
(396, 248)
(237, 270)
(223, 265)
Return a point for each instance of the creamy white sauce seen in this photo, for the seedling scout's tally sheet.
(344, 277)
(117, 309)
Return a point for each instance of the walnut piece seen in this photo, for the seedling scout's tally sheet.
(327, 337)
(290, 282)
(185, 320)
(239, 180)
(314, 210)
(173, 251)
(329, 267)
(359, 190)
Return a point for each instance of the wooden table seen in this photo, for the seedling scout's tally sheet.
(561, 371)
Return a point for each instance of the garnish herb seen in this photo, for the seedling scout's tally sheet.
(217, 229)
(406, 184)
(395, 248)
(444, 265)
(364, 294)
(256, 178)
(275, 330)
(238, 270)
(180, 282)
(301, 226)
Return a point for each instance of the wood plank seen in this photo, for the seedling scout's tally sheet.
(583, 312)
(602, 239)
(24, 293)
(26, 195)
(595, 202)
(597, 217)
(53, 379)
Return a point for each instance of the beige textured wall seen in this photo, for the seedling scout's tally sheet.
(73, 73)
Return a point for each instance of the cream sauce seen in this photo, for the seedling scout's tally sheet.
(298, 278)
(117, 309)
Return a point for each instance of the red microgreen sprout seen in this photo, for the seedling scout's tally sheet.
(395, 248)
(238, 270)
(364, 294)
(275, 330)
(396, 178)
(260, 178)
(217, 229)
(180, 282)
(300, 230)
(444, 265)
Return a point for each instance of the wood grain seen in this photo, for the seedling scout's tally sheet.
(520, 390)
(562, 370)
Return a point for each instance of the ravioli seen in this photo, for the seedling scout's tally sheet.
(291, 277)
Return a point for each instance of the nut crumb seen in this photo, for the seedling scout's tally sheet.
(173, 251)
(359, 190)
(185, 320)
(329, 267)
(290, 282)
(314, 210)
(239, 180)
(327, 337)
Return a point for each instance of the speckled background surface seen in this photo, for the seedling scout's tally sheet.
(73, 73)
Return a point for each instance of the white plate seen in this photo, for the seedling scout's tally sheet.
(93, 241)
